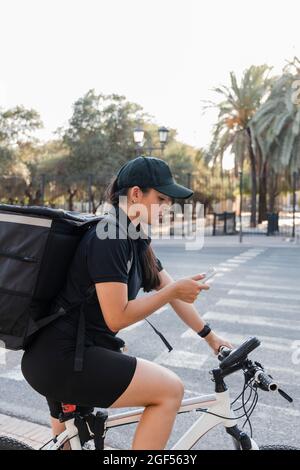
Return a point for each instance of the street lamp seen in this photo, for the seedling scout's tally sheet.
(138, 137)
(294, 203)
(241, 200)
(163, 135)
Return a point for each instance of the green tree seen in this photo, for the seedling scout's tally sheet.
(239, 103)
(275, 130)
(17, 129)
(100, 133)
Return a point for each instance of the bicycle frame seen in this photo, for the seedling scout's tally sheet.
(218, 403)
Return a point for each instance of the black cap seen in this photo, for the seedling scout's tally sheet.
(151, 172)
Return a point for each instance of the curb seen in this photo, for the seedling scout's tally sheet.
(34, 435)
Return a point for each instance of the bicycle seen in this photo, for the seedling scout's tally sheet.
(216, 409)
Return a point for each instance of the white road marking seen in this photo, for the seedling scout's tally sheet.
(283, 370)
(13, 374)
(274, 295)
(236, 262)
(280, 409)
(3, 355)
(272, 286)
(135, 325)
(267, 267)
(258, 305)
(252, 320)
(185, 359)
(267, 342)
(221, 268)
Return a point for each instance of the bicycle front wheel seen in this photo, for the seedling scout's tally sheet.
(7, 443)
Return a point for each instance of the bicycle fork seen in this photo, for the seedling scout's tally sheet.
(241, 440)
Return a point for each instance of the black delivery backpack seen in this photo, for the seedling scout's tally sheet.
(37, 245)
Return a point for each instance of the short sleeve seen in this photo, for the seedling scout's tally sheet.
(107, 259)
(159, 265)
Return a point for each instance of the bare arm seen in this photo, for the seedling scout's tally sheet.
(119, 312)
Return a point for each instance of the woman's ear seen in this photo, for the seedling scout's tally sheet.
(134, 193)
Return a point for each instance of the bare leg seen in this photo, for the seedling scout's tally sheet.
(160, 391)
(58, 428)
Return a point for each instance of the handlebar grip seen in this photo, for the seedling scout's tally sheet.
(239, 354)
(223, 352)
(266, 382)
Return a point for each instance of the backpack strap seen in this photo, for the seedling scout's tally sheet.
(164, 340)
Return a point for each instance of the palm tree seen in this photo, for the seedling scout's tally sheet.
(239, 104)
(275, 130)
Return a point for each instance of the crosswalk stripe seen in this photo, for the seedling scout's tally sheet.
(135, 325)
(283, 370)
(262, 273)
(252, 320)
(275, 280)
(13, 374)
(267, 342)
(3, 355)
(236, 261)
(279, 409)
(272, 286)
(268, 269)
(259, 305)
(225, 269)
(185, 359)
(248, 255)
(274, 295)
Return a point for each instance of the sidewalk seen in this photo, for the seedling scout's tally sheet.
(34, 435)
(234, 241)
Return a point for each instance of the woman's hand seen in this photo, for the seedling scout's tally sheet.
(215, 342)
(188, 289)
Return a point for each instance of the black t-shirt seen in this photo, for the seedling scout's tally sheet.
(100, 260)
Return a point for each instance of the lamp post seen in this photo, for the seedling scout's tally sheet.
(294, 203)
(138, 137)
(241, 202)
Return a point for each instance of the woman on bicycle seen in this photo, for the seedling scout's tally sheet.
(109, 378)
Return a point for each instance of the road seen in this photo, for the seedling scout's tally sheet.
(256, 292)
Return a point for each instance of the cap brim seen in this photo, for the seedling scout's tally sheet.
(175, 190)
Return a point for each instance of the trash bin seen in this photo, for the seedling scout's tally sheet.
(273, 223)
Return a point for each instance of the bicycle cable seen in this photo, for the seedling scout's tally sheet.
(247, 412)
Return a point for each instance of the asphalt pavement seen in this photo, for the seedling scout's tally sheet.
(256, 292)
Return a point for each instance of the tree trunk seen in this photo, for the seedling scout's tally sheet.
(273, 192)
(71, 197)
(262, 205)
(253, 181)
(253, 188)
(34, 196)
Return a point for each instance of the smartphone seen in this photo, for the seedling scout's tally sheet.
(209, 274)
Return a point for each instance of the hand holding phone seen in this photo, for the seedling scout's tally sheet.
(209, 273)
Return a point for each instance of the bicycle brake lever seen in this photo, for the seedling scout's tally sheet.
(285, 395)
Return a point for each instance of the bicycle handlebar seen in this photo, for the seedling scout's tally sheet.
(234, 357)
(265, 382)
(238, 354)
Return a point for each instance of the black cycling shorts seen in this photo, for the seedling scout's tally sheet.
(48, 362)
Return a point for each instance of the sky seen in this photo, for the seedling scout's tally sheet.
(166, 55)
